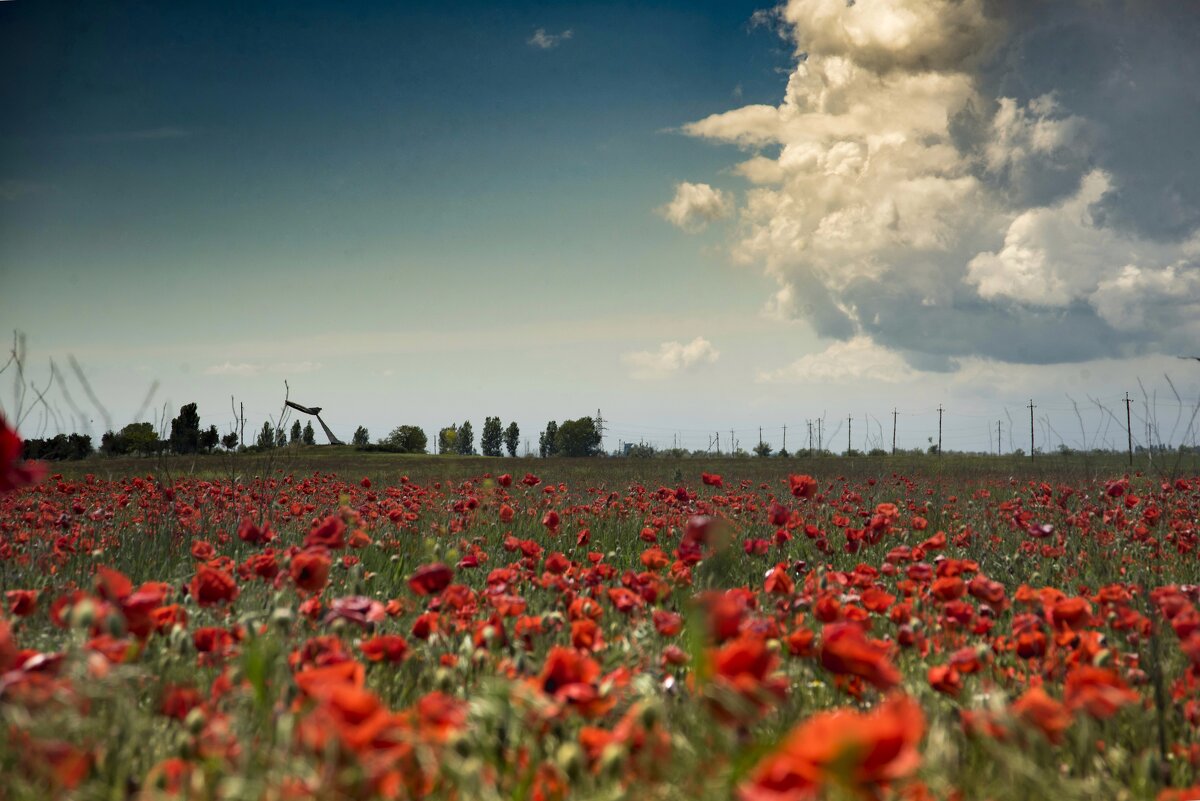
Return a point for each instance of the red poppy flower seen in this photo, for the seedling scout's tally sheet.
(329, 533)
(586, 635)
(1038, 709)
(252, 533)
(667, 624)
(802, 486)
(21, 602)
(846, 650)
(779, 582)
(430, 579)
(310, 570)
(385, 647)
(1098, 690)
(570, 677)
(212, 586)
(203, 550)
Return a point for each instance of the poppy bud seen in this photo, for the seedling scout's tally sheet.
(612, 760)
(461, 745)
(569, 758)
(83, 614)
(194, 722)
(114, 624)
(179, 640)
(650, 714)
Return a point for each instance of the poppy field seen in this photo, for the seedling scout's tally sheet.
(300, 634)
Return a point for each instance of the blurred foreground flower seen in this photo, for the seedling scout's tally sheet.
(858, 752)
(15, 472)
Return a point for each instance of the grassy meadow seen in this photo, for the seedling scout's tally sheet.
(328, 624)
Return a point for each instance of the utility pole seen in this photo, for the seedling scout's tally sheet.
(820, 441)
(809, 437)
(1128, 429)
(1031, 408)
(785, 437)
(242, 430)
(717, 437)
(939, 429)
(849, 424)
(894, 413)
(600, 429)
(732, 447)
(760, 436)
(997, 437)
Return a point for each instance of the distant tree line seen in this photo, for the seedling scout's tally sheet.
(579, 437)
(58, 448)
(185, 437)
(570, 438)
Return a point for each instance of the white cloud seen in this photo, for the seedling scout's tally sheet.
(671, 357)
(1051, 256)
(695, 206)
(230, 368)
(545, 41)
(852, 361)
(295, 367)
(898, 203)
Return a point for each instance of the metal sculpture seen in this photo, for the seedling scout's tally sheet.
(315, 411)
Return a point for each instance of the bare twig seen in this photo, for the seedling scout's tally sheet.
(87, 390)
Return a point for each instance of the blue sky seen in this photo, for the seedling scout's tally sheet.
(423, 213)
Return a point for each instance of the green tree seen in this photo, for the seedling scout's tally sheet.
(294, 439)
(185, 430)
(448, 440)
(266, 437)
(548, 440)
(308, 437)
(361, 437)
(464, 443)
(762, 449)
(140, 438)
(110, 444)
(230, 441)
(492, 439)
(407, 439)
(577, 438)
(512, 436)
(280, 438)
(133, 438)
(209, 439)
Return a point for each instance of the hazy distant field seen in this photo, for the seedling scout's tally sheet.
(350, 463)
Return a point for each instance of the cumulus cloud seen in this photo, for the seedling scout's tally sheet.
(671, 358)
(695, 206)
(957, 179)
(852, 361)
(546, 41)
